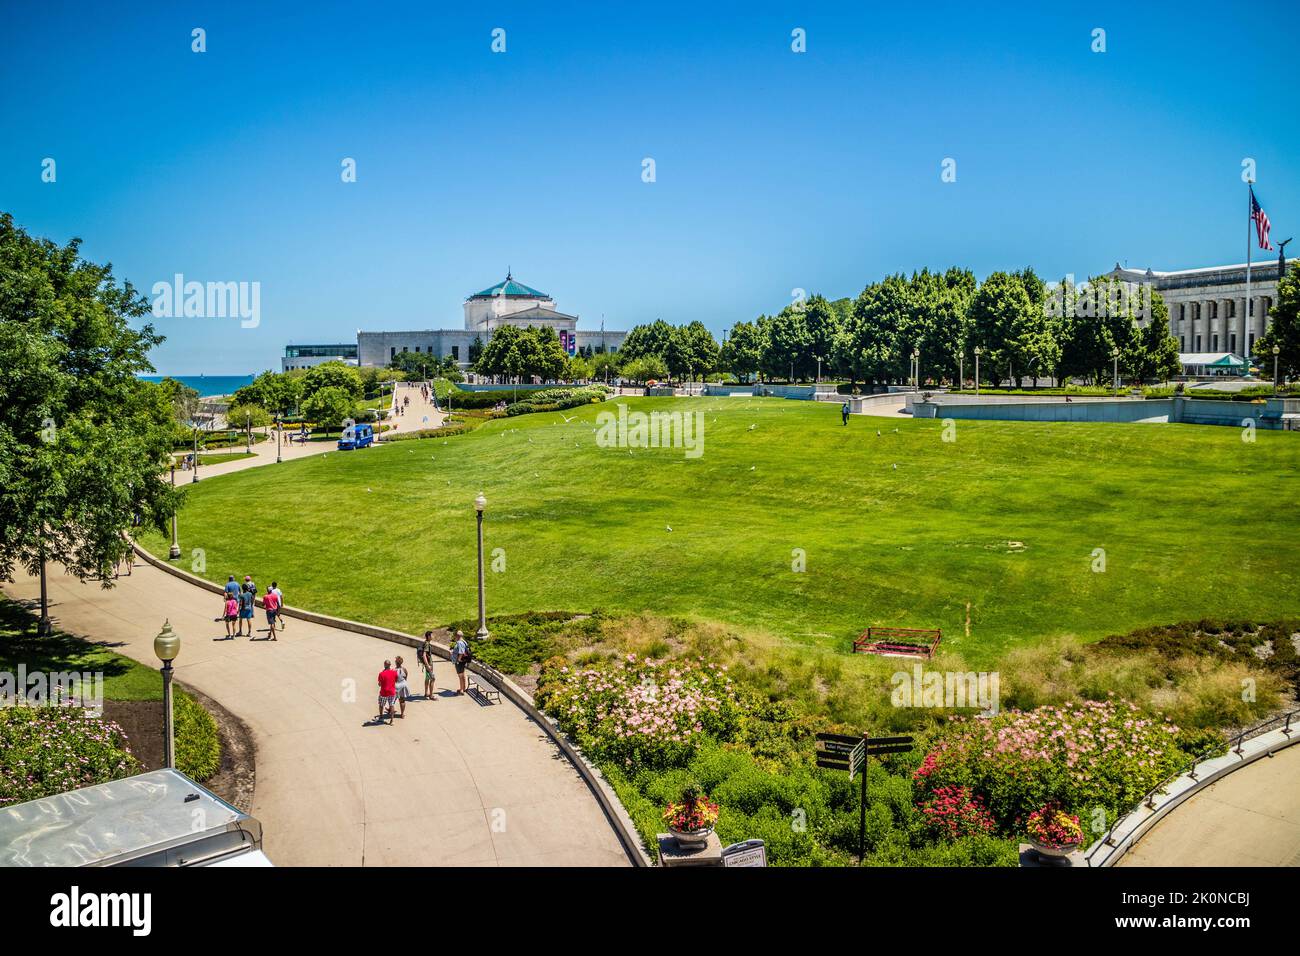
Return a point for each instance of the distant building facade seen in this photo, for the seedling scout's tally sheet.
(305, 356)
(509, 302)
(1208, 312)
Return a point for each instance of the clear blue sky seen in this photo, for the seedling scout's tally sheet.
(775, 170)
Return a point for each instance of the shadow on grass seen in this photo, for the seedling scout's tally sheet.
(19, 643)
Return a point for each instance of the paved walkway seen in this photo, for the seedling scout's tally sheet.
(1249, 818)
(454, 783)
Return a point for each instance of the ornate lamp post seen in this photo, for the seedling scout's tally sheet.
(279, 432)
(195, 469)
(167, 645)
(1276, 352)
(961, 369)
(175, 551)
(978, 351)
(1114, 354)
(248, 431)
(916, 368)
(479, 504)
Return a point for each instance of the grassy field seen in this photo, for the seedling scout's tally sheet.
(897, 526)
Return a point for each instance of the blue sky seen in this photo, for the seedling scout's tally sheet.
(775, 170)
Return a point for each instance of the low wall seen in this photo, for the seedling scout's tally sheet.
(613, 808)
(1265, 415)
(797, 392)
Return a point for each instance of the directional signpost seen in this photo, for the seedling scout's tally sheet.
(846, 752)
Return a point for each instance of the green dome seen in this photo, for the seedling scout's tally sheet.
(508, 287)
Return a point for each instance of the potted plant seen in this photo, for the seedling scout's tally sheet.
(691, 819)
(1054, 833)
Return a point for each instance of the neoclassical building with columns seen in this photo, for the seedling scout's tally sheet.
(509, 302)
(1207, 307)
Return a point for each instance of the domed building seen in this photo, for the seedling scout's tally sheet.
(508, 302)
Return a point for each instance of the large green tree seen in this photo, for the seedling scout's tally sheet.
(692, 351)
(84, 442)
(742, 352)
(1284, 332)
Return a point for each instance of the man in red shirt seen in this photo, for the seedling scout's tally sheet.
(387, 691)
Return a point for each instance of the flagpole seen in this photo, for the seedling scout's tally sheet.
(1245, 327)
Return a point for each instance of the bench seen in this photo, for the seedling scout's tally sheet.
(485, 683)
(898, 641)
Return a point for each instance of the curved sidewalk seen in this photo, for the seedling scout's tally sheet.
(454, 783)
(1251, 817)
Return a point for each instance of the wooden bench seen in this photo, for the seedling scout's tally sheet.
(898, 641)
(486, 683)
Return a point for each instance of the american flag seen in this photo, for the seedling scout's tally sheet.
(1261, 221)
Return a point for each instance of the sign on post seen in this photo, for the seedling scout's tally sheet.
(845, 752)
(746, 853)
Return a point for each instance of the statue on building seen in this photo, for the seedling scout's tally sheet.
(1281, 259)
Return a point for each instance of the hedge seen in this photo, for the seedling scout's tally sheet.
(198, 746)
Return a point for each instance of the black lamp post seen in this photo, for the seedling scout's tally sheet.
(167, 645)
(1114, 354)
(279, 431)
(195, 469)
(978, 352)
(43, 626)
(1276, 352)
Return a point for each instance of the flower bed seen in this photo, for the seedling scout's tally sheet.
(48, 750)
(642, 713)
(1082, 757)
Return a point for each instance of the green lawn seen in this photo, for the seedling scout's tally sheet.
(1194, 522)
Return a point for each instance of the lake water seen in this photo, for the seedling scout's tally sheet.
(207, 385)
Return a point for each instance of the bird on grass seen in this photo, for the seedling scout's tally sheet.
(669, 527)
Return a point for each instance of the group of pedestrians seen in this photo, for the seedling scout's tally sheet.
(239, 602)
(394, 679)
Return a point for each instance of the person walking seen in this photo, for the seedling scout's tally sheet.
(387, 691)
(280, 619)
(461, 655)
(232, 586)
(271, 604)
(844, 413)
(245, 611)
(230, 613)
(425, 657)
(403, 688)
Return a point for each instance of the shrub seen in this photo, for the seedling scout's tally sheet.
(49, 750)
(954, 812)
(198, 746)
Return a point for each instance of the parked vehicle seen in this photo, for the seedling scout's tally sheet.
(356, 436)
(160, 818)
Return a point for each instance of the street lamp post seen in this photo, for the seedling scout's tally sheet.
(1276, 351)
(167, 645)
(279, 432)
(195, 469)
(175, 551)
(916, 369)
(978, 352)
(479, 504)
(961, 369)
(1114, 354)
(248, 428)
(819, 369)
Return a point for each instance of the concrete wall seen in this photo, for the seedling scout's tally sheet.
(1189, 411)
(797, 392)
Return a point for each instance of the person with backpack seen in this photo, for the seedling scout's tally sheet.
(460, 653)
(247, 594)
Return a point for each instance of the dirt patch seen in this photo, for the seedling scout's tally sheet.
(142, 722)
(235, 779)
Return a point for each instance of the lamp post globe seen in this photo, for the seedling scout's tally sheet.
(978, 352)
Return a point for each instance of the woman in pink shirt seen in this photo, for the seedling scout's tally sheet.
(231, 614)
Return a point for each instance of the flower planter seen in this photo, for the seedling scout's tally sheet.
(691, 839)
(1052, 852)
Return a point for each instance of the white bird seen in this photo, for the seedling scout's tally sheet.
(536, 475)
(751, 467)
(753, 426)
(367, 489)
(530, 441)
(895, 466)
(568, 419)
(877, 432)
(669, 527)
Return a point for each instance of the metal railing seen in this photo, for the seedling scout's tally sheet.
(1189, 767)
